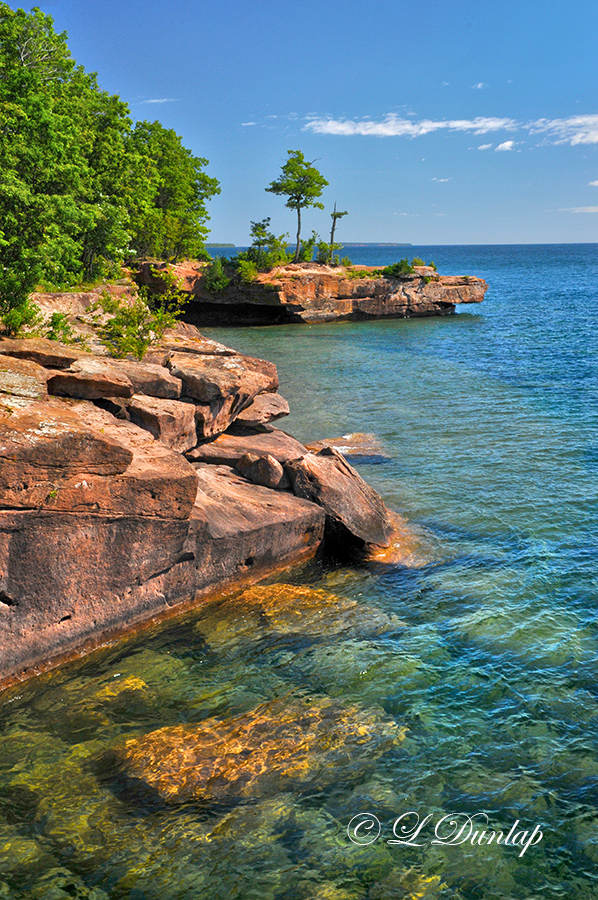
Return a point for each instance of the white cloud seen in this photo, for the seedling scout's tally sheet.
(573, 130)
(441, 180)
(581, 209)
(161, 100)
(593, 183)
(395, 126)
(479, 86)
(248, 123)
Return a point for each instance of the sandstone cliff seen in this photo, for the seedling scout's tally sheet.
(129, 489)
(308, 292)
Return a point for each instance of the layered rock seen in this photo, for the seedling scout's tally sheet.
(105, 524)
(310, 292)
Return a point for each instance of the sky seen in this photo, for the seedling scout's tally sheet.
(434, 121)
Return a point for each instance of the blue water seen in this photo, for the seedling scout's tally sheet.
(489, 422)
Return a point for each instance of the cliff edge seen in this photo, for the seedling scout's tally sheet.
(310, 292)
(130, 489)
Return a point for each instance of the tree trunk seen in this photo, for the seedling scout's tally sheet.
(332, 234)
(298, 247)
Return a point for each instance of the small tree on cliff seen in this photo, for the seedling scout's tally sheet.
(301, 182)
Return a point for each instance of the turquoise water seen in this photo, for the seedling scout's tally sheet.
(486, 652)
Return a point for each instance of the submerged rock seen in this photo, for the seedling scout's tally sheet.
(260, 753)
(286, 609)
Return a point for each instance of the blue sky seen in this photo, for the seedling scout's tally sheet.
(436, 121)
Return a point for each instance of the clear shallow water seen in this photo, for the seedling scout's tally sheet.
(490, 420)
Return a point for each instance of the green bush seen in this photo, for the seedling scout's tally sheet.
(416, 261)
(214, 278)
(398, 269)
(346, 262)
(136, 323)
(58, 328)
(306, 250)
(247, 270)
(267, 250)
(326, 253)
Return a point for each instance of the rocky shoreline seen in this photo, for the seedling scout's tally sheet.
(309, 292)
(131, 490)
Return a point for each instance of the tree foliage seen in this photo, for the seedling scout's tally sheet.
(302, 184)
(81, 191)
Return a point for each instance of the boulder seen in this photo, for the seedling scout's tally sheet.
(222, 385)
(169, 421)
(355, 514)
(227, 449)
(232, 508)
(263, 409)
(263, 470)
(90, 378)
(22, 378)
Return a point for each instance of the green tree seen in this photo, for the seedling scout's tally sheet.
(168, 217)
(301, 182)
(335, 216)
(79, 190)
(267, 249)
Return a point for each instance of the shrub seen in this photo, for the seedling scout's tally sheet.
(345, 261)
(136, 323)
(58, 328)
(326, 254)
(416, 261)
(247, 270)
(398, 269)
(214, 279)
(306, 251)
(16, 284)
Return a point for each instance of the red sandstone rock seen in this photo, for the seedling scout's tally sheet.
(169, 421)
(316, 293)
(265, 408)
(70, 576)
(196, 345)
(263, 470)
(228, 448)
(222, 385)
(81, 459)
(355, 513)
(39, 350)
(90, 378)
(22, 378)
(151, 379)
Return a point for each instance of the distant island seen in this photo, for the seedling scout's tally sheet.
(344, 244)
(373, 244)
